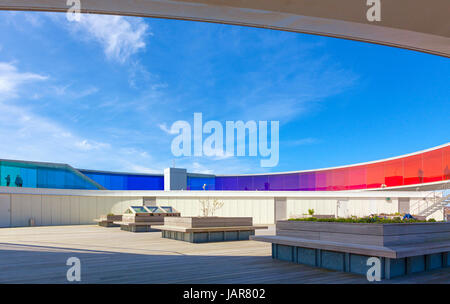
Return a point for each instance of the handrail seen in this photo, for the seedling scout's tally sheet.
(433, 197)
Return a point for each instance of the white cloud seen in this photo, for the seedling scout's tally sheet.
(26, 135)
(221, 154)
(142, 169)
(11, 79)
(67, 92)
(87, 145)
(120, 36)
(199, 168)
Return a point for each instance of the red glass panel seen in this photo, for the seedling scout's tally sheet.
(357, 178)
(413, 170)
(432, 166)
(446, 163)
(393, 173)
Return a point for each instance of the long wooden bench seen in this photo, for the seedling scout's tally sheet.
(208, 229)
(108, 220)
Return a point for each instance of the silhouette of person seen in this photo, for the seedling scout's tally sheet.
(18, 181)
(447, 173)
(8, 180)
(420, 175)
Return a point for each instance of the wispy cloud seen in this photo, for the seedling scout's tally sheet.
(119, 36)
(11, 79)
(30, 136)
(67, 92)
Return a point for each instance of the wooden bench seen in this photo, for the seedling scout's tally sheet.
(108, 220)
(208, 229)
(138, 226)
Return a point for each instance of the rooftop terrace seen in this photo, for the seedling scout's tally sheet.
(109, 255)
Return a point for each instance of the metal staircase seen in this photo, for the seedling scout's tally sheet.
(433, 202)
(438, 204)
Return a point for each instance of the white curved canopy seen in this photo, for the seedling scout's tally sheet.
(411, 24)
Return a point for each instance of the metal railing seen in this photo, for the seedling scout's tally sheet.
(436, 198)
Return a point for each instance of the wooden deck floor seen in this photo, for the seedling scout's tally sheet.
(109, 255)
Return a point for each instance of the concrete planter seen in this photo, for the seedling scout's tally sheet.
(208, 229)
(210, 221)
(403, 248)
(366, 234)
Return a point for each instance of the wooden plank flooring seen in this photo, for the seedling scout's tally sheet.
(110, 255)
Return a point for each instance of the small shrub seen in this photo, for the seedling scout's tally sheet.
(311, 212)
(363, 220)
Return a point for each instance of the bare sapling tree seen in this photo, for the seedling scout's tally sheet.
(209, 207)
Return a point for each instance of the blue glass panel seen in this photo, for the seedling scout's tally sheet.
(115, 181)
(197, 183)
(42, 175)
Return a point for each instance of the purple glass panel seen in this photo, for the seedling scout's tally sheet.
(309, 180)
(321, 181)
(229, 182)
(276, 182)
(261, 182)
(291, 182)
(219, 182)
(245, 183)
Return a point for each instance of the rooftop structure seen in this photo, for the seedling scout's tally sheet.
(429, 168)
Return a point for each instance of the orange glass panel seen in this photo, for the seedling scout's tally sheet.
(375, 175)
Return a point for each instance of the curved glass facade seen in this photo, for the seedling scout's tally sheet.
(124, 181)
(426, 167)
(414, 169)
(43, 175)
(197, 183)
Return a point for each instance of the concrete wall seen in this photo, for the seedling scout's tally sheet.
(49, 210)
(73, 207)
(355, 206)
(261, 209)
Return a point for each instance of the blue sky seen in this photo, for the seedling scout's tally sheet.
(101, 93)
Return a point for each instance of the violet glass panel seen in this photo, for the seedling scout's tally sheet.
(245, 183)
(261, 182)
(291, 182)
